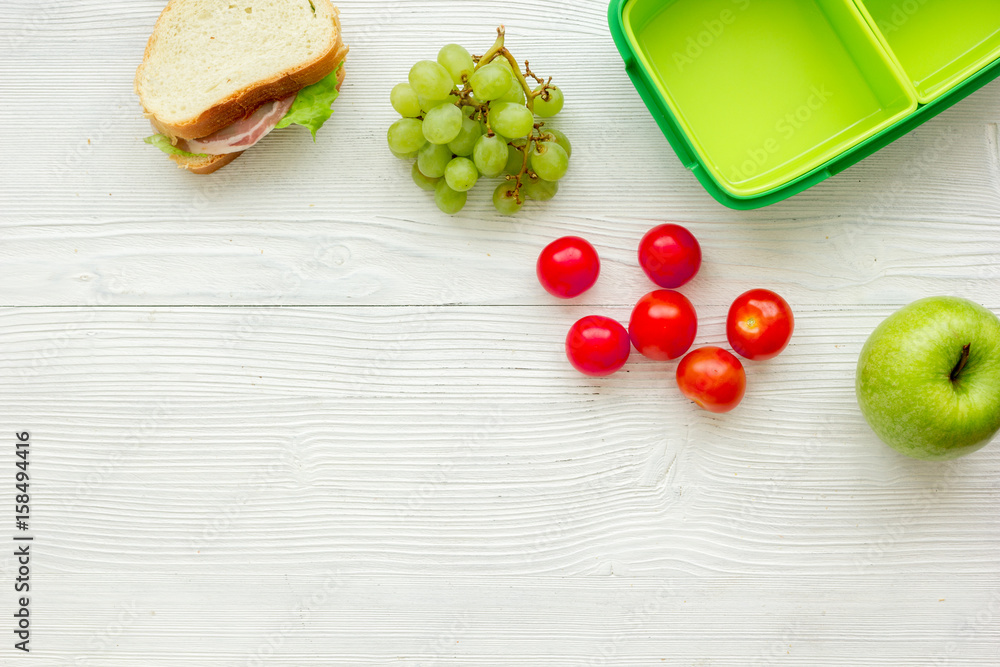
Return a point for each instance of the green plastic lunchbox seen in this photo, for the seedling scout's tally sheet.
(762, 99)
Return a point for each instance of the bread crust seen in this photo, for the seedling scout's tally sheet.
(204, 165)
(246, 101)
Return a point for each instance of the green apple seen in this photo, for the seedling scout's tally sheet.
(928, 380)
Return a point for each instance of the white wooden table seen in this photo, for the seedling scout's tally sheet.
(290, 414)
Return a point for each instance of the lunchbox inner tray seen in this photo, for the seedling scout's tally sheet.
(767, 90)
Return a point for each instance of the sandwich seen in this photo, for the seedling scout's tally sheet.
(219, 75)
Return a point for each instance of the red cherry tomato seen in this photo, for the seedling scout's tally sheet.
(713, 378)
(670, 255)
(759, 324)
(597, 346)
(663, 325)
(568, 267)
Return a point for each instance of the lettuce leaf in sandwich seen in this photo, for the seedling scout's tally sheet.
(162, 142)
(312, 106)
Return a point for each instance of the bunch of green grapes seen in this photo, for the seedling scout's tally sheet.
(468, 117)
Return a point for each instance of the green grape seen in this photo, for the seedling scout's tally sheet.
(424, 182)
(405, 136)
(493, 131)
(432, 159)
(505, 198)
(540, 190)
(514, 94)
(549, 160)
(430, 80)
(469, 110)
(515, 160)
(511, 120)
(490, 155)
(426, 104)
(490, 81)
(448, 200)
(442, 123)
(559, 138)
(404, 100)
(461, 174)
(457, 61)
(404, 156)
(551, 106)
(466, 139)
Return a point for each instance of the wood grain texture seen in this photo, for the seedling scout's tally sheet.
(224, 463)
(292, 415)
(427, 620)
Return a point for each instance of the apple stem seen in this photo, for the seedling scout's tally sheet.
(962, 360)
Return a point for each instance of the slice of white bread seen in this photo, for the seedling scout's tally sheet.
(209, 63)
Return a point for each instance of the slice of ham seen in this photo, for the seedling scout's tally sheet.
(242, 134)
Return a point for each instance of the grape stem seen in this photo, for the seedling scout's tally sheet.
(536, 136)
(494, 50)
(528, 72)
(499, 50)
(530, 96)
(482, 109)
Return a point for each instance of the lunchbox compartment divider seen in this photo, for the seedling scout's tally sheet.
(922, 95)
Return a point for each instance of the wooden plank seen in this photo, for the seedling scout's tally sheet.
(287, 619)
(460, 437)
